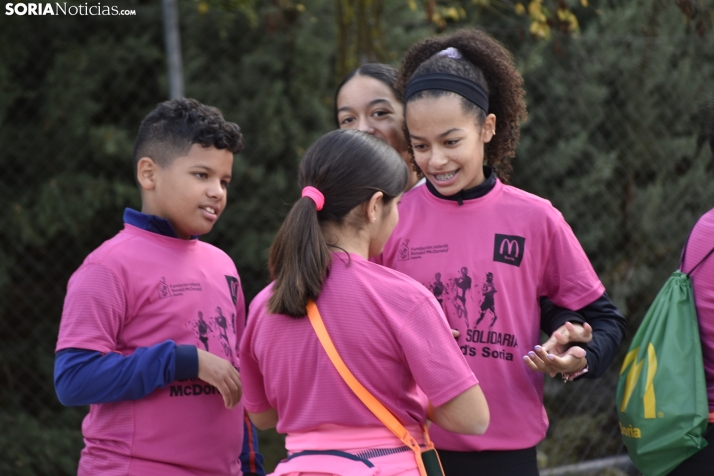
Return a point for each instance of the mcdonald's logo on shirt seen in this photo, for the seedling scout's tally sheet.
(509, 249)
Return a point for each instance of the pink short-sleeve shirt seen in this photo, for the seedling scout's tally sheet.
(488, 262)
(701, 241)
(136, 290)
(387, 328)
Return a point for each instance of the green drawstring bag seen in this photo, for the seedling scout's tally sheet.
(661, 393)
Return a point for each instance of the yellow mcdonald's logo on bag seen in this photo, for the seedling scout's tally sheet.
(649, 398)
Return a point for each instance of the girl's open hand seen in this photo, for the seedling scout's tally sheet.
(557, 354)
(569, 362)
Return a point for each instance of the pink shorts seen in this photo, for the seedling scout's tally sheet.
(368, 451)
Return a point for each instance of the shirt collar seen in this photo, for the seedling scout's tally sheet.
(152, 223)
(470, 193)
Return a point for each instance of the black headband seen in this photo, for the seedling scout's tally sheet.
(448, 82)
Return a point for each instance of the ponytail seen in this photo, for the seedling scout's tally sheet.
(298, 260)
(347, 167)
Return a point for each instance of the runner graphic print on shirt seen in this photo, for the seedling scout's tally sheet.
(438, 289)
(202, 329)
(214, 328)
(233, 328)
(463, 285)
(207, 329)
(455, 290)
(222, 324)
(488, 303)
(456, 295)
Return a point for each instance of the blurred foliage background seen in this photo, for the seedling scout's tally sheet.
(617, 93)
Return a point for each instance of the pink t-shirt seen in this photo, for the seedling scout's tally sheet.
(389, 331)
(136, 290)
(701, 241)
(488, 262)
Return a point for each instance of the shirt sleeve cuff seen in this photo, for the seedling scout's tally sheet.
(593, 359)
(564, 317)
(186, 362)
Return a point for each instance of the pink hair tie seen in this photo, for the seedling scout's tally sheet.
(316, 196)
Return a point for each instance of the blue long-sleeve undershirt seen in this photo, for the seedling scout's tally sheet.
(84, 377)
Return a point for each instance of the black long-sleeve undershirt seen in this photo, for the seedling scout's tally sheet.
(609, 327)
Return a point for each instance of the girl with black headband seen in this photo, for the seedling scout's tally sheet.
(463, 108)
(367, 99)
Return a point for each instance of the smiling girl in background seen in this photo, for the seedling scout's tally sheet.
(367, 100)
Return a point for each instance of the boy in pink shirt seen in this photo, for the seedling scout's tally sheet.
(153, 317)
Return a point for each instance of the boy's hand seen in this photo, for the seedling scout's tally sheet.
(221, 374)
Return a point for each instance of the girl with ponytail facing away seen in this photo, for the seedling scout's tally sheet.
(385, 326)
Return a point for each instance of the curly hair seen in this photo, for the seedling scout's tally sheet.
(488, 63)
(174, 126)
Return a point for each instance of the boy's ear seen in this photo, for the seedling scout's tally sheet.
(146, 173)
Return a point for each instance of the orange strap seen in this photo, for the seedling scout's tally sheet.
(374, 405)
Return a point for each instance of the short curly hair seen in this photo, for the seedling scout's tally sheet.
(487, 62)
(174, 126)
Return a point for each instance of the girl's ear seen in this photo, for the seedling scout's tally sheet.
(374, 207)
(146, 173)
(488, 129)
